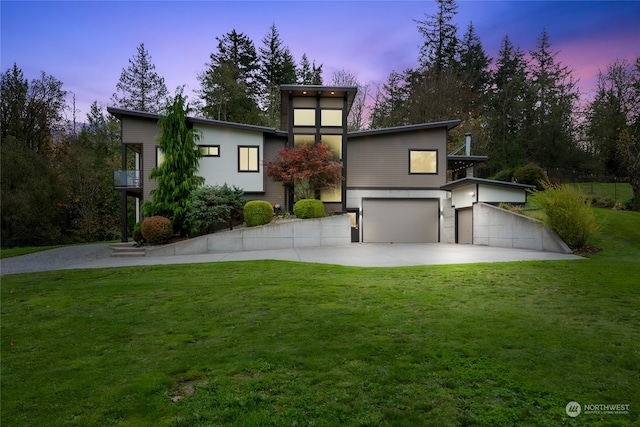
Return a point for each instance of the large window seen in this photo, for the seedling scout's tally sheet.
(335, 144)
(304, 117)
(331, 117)
(423, 161)
(303, 140)
(248, 158)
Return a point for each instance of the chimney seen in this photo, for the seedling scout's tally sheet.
(467, 152)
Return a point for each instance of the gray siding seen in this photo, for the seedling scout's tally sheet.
(274, 191)
(145, 132)
(382, 160)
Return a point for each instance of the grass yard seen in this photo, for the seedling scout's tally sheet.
(276, 343)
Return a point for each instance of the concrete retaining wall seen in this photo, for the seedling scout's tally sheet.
(295, 233)
(493, 226)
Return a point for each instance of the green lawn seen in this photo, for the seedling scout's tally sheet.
(275, 343)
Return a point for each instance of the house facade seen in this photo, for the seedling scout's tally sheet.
(395, 186)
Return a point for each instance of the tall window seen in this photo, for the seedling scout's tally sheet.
(248, 158)
(423, 161)
(159, 156)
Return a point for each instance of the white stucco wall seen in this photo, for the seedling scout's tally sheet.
(495, 194)
(493, 226)
(464, 196)
(224, 169)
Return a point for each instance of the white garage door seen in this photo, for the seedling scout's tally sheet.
(400, 220)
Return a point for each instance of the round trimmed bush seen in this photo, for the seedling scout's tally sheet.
(157, 230)
(308, 208)
(257, 212)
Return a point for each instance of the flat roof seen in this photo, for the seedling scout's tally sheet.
(120, 112)
(473, 180)
(449, 124)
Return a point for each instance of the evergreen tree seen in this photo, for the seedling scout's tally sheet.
(509, 106)
(611, 111)
(229, 86)
(277, 67)
(176, 175)
(389, 106)
(474, 70)
(440, 48)
(308, 73)
(552, 137)
(140, 88)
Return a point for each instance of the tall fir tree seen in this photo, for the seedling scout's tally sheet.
(309, 73)
(140, 87)
(277, 67)
(509, 106)
(440, 48)
(176, 175)
(229, 86)
(552, 136)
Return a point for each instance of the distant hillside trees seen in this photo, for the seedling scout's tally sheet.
(140, 87)
(613, 123)
(56, 183)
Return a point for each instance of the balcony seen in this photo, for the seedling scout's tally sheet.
(127, 179)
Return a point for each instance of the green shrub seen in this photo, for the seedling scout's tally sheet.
(258, 212)
(531, 174)
(214, 205)
(568, 213)
(308, 208)
(157, 230)
(505, 175)
(137, 232)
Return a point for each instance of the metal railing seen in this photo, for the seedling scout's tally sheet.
(127, 179)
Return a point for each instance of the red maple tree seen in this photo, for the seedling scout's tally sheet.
(306, 168)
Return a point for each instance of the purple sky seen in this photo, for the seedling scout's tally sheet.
(86, 44)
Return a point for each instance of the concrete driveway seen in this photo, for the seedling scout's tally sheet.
(355, 254)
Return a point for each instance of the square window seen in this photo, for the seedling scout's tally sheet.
(304, 117)
(423, 161)
(331, 117)
(303, 140)
(248, 158)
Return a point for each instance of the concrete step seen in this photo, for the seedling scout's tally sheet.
(126, 250)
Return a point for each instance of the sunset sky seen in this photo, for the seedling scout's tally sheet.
(86, 44)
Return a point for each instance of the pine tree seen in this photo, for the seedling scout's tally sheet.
(140, 88)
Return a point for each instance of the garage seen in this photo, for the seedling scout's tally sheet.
(400, 220)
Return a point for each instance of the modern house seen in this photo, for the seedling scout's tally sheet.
(395, 188)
